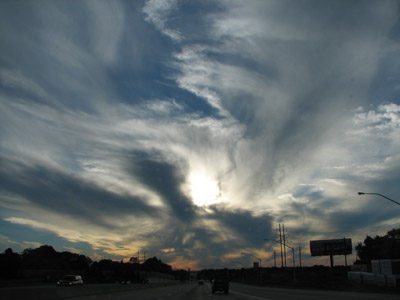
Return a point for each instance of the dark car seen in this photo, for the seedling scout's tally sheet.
(70, 280)
(220, 284)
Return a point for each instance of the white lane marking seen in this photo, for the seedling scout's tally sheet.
(252, 297)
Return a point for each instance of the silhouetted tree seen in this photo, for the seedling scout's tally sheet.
(44, 257)
(207, 274)
(74, 261)
(181, 275)
(156, 265)
(10, 264)
(134, 260)
(386, 247)
(8, 251)
(47, 259)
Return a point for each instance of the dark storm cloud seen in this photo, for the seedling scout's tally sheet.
(63, 193)
(386, 182)
(348, 222)
(250, 228)
(166, 180)
(333, 221)
(231, 230)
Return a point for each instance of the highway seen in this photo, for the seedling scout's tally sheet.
(178, 292)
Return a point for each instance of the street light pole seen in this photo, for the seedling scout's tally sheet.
(361, 193)
(294, 264)
(252, 256)
(259, 269)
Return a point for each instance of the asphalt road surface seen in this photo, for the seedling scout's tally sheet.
(179, 292)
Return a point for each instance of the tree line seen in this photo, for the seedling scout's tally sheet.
(379, 247)
(50, 265)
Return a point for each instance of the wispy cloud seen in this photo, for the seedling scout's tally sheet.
(114, 114)
(157, 12)
(9, 243)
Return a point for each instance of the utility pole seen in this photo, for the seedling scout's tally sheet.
(294, 263)
(280, 242)
(300, 255)
(275, 258)
(345, 256)
(284, 243)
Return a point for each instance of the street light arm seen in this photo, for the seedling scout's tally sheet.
(361, 193)
(279, 243)
(252, 256)
(286, 245)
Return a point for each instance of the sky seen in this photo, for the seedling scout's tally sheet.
(189, 130)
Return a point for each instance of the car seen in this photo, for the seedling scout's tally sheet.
(220, 284)
(70, 280)
(126, 282)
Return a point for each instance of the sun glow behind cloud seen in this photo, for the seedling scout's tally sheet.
(204, 190)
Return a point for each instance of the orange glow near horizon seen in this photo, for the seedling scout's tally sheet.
(184, 264)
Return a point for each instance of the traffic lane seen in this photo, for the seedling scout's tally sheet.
(178, 292)
(51, 292)
(265, 293)
(237, 292)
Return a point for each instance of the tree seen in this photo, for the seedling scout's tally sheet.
(10, 264)
(8, 251)
(133, 260)
(156, 265)
(386, 247)
(182, 275)
(44, 257)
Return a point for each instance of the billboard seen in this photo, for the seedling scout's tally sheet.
(331, 247)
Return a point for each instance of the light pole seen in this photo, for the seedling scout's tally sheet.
(361, 193)
(286, 245)
(238, 263)
(259, 269)
(252, 256)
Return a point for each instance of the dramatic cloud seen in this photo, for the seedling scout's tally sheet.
(191, 130)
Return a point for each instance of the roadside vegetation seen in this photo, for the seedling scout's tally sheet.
(46, 265)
